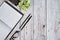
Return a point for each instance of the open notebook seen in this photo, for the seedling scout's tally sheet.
(8, 19)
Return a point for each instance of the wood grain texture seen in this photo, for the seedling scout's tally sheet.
(36, 27)
(53, 19)
(39, 20)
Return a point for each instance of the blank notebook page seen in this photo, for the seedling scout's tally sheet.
(8, 19)
(9, 15)
(4, 30)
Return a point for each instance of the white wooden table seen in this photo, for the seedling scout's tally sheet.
(44, 24)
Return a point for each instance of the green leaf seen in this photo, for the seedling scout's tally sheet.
(27, 4)
(20, 4)
(26, 0)
(24, 8)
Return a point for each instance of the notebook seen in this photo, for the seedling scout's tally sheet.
(8, 19)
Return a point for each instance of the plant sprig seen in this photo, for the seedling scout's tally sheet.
(23, 5)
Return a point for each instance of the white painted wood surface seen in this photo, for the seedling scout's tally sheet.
(34, 30)
(53, 19)
(44, 12)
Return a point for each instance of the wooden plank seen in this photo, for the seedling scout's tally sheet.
(57, 20)
(27, 32)
(36, 28)
(52, 11)
(29, 26)
(39, 20)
